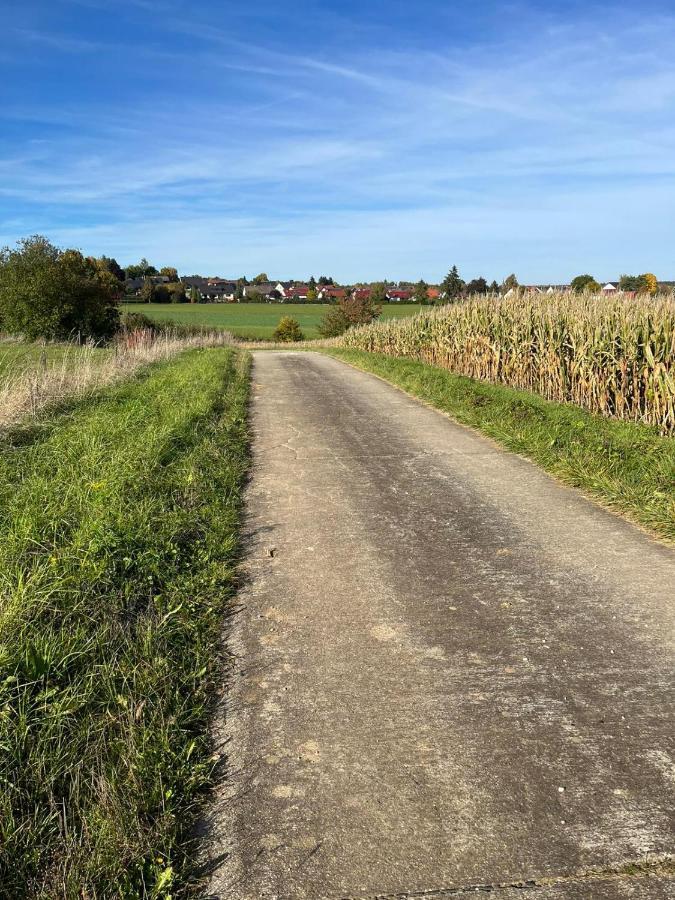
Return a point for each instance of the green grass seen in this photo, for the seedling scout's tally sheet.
(628, 467)
(118, 537)
(256, 321)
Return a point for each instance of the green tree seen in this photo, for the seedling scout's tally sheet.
(325, 280)
(50, 293)
(494, 288)
(260, 279)
(195, 295)
(585, 283)
(477, 286)
(420, 293)
(311, 294)
(510, 283)
(143, 269)
(630, 283)
(147, 292)
(288, 330)
(452, 285)
(175, 292)
(378, 292)
(170, 272)
(334, 322)
(108, 264)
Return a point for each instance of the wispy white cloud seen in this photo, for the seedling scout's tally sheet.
(384, 159)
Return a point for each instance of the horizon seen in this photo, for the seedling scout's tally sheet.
(361, 144)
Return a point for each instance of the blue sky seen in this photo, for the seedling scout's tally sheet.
(362, 140)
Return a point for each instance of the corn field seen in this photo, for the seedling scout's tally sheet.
(611, 356)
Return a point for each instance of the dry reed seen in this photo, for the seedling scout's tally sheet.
(81, 370)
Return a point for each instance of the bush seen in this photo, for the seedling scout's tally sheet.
(137, 321)
(334, 322)
(288, 330)
(56, 294)
(349, 311)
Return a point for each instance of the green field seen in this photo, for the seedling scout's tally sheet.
(256, 321)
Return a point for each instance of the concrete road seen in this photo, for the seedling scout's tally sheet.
(452, 674)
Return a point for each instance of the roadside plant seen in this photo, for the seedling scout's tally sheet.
(288, 331)
(349, 312)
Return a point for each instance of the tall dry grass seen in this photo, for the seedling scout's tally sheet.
(611, 356)
(80, 370)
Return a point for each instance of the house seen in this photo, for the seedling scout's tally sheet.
(331, 294)
(610, 288)
(134, 285)
(397, 296)
(295, 294)
(282, 286)
(433, 293)
(195, 281)
(557, 289)
(361, 294)
(525, 289)
(218, 290)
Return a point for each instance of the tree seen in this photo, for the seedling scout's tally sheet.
(170, 272)
(510, 283)
(143, 269)
(378, 292)
(46, 292)
(347, 313)
(494, 288)
(288, 330)
(585, 283)
(477, 286)
(239, 295)
(334, 322)
(311, 294)
(325, 281)
(195, 295)
(312, 282)
(147, 292)
(260, 279)
(108, 264)
(175, 292)
(420, 294)
(651, 283)
(452, 284)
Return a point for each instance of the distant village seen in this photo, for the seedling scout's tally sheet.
(168, 286)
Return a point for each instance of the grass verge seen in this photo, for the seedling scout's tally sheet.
(627, 467)
(118, 536)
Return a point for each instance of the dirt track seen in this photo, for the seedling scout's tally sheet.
(450, 671)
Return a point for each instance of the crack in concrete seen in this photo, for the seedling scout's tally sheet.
(663, 867)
